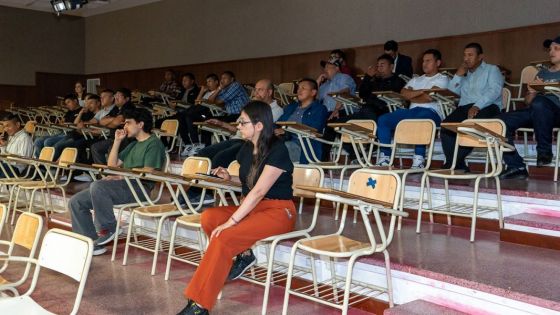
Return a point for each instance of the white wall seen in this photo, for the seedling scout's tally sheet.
(179, 32)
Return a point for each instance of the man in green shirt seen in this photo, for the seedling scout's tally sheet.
(148, 152)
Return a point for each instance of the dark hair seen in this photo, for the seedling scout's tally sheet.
(108, 91)
(386, 57)
(260, 112)
(71, 96)
(213, 76)
(340, 53)
(313, 83)
(391, 46)
(229, 73)
(189, 75)
(10, 117)
(124, 91)
(94, 97)
(140, 115)
(171, 71)
(434, 52)
(475, 46)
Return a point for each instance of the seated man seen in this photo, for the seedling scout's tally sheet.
(308, 111)
(334, 81)
(378, 78)
(339, 55)
(90, 114)
(170, 85)
(113, 120)
(480, 87)
(73, 109)
(18, 142)
(402, 63)
(147, 151)
(543, 114)
(422, 106)
(232, 95)
(223, 153)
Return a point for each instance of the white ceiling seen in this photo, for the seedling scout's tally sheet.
(93, 7)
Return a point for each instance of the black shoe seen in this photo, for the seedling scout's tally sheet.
(241, 264)
(514, 173)
(543, 159)
(193, 309)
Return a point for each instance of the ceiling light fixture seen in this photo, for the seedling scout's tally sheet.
(64, 5)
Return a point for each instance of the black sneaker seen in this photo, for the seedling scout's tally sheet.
(241, 264)
(543, 159)
(99, 250)
(193, 309)
(105, 236)
(514, 173)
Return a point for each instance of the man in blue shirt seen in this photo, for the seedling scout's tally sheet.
(334, 81)
(543, 114)
(232, 95)
(480, 87)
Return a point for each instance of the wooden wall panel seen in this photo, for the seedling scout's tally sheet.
(512, 48)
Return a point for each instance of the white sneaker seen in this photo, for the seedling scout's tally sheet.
(196, 147)
(417, 162)
(383, 160)
(188, 148)
(63, 178)
(83, 178)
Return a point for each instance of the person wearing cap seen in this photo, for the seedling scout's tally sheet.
(402, 63)
(339, 55)
(543, 114)
(479, 86)
(334, 81)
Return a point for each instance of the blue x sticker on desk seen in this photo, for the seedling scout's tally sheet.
(371, 182)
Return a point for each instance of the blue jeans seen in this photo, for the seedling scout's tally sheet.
(387, 123)
(542, 115)
(46, 141)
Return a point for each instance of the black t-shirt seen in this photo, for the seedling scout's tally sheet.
(71, 115)
(278, 157)
(377, 84)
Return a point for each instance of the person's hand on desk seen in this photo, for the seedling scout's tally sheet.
(221, 172)
(473, 111)
(216, 122)
(279, 132)
(336, 111)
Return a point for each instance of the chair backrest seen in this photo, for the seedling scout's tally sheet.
(68, 156)
(307, 175)
(528, 74)
(506, 99)
(195, 164)
(375, 184)
(170, 126)
(233, 168)
(286, 87)
(47, 153)
(3, 216)
(28, 231)
(30, 127)
(495, 125)
(366, 123)
(415, 131)
(70, 254)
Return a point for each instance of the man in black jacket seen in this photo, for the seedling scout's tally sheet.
(402, 63)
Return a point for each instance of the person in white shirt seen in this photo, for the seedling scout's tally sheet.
(264, 91)
(422, 106)
(18, 142)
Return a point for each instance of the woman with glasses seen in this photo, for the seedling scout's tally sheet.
(266, 208)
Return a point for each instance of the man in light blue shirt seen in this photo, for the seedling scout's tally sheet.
(480, 87)
(334, 81)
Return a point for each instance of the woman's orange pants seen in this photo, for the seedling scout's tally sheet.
(270, 217)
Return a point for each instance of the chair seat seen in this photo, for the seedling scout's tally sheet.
(189, 219)
(156, 209)
(37, 185)
(336, 244)
(21, 305)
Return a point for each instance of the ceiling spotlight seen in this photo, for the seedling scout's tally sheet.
(64, 5)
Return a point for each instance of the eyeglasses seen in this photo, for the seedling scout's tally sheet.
(243, 123)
